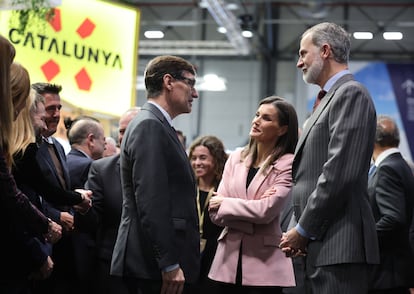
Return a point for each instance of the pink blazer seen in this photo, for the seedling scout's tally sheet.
(253, 221)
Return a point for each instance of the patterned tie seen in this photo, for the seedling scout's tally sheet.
(321, 94)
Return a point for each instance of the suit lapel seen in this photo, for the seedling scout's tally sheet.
(43, 152)
(256, 182)
(62, 158)
(319, 110)
(153, 109)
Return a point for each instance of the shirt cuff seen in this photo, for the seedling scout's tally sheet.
(170, 268)
(302, 232)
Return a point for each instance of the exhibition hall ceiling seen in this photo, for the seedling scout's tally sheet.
(190, 27)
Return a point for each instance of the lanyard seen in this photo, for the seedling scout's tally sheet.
(201, 211)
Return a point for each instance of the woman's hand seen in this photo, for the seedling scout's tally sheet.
(269, 192)
(215, 202)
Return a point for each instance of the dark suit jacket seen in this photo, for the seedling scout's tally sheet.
(63, 255)
(49, 170)
(83, 242)
(78, 166)
(391, 194)
(330, 174)
(159, 223)
(104, 217)
(30, 179)
(33, 183)
(105, 182)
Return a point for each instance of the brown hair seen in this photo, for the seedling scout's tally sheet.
(286, 143)
(216, 149)
(161, 65)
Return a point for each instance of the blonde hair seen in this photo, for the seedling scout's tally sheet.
(23, 131)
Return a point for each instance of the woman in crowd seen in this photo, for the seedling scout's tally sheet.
(24, 144)
(250, 198)
(207, 157)
(19, 218)
(27, 173)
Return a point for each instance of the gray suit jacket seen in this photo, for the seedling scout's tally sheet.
(159, 222)
(330, 173)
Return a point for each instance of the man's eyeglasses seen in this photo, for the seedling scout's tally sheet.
(188, 81)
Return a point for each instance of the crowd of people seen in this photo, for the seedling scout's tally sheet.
(326, 210)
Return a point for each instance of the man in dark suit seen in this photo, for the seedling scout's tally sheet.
(87, 140)
(51, 155)
(335, 226)
(391, 194)
(52, 161)
(105, 215)
(158, 240)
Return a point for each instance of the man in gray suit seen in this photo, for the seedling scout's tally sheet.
(335, 226)
(158, 242)
(391, 193)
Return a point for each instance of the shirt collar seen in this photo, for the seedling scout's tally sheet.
(334, 78)
(165, 113)
(385, 154)
(48, 140)
(83, 152)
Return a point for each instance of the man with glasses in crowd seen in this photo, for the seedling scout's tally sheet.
(157, 248)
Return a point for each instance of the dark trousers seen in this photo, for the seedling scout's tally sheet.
(225, 288)
(143, 286)
(107, 284)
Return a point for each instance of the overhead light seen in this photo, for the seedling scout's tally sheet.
(202, 4)
(221, 30)
(232, 6)
(363, 35)
(154, 34)
(189, 47)
(247, 34)
(247, 25)
(211, 82)
(392, 35)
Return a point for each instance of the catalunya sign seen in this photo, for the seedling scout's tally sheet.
(89, 47)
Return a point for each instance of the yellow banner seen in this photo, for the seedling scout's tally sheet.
(89, 47)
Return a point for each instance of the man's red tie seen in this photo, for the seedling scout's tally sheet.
(321, 94)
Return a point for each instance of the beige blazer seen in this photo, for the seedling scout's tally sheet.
(253, 222)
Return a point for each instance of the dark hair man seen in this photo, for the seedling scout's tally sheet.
(158, 242)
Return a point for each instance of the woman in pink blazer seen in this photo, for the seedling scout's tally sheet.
(250, 198)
